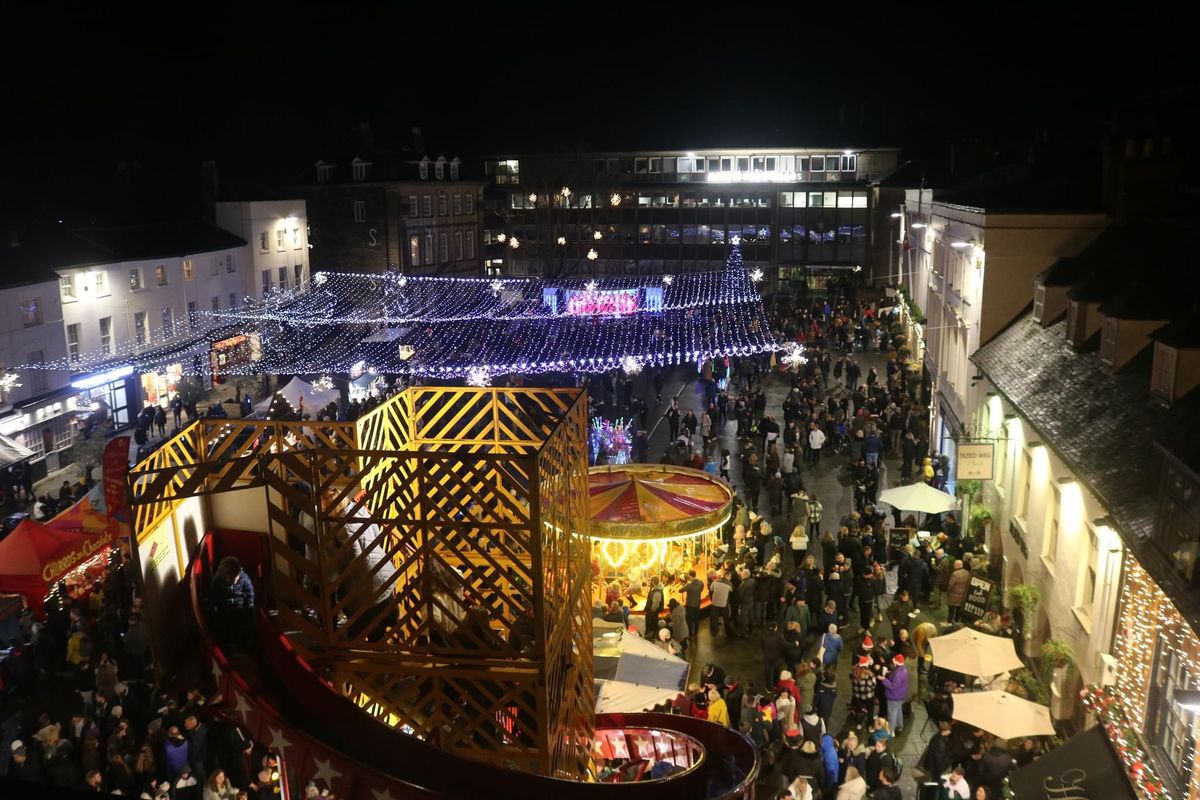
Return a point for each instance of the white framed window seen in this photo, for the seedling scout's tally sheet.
(266, 282)
(31, 313)
(73, 334)
(1026, 485)
(263, 242)
(359, 170)
(296, 238)
(280, 235)
(470, 203)
(423, 170)
(458, 205)
(771, 163)
(454, 165)
(1162, 382)
(193, 316)
(230, 263)
(1108, 341)
(414, 250)
(106, 336)
(233, 303)
(443, 248)
(1039, 302)
(428, 247)
(426, 205)
(160, 275)
(139, 327)
(471, 244)
(788, 163)
(849, 163)
(816, 164)
(439, 169)
(100, 283)
(639, 164)
(299, 274)
(413, 208)
(442, 210)
(168, 322)
(758, 164)
(66, 288)
(216, 303)
(323, 172)
(743, 163)
(683, 164)
(458, 246)
(189, 269)
(1050, 538)
(360, 211)
(283, 277)
(656, 165)
(1086, 592)
(64, 431)
(714, 164)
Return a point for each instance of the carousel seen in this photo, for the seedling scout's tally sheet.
(651, 520)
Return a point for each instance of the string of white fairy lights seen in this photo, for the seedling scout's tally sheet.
(477, 328)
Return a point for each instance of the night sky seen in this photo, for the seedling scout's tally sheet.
(264, 95)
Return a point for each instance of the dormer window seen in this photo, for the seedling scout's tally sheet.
(1039, 302)
(1162, 380)
(423, 169)
(439, 168)
(360, 169)
(454, 165)
(324, 172)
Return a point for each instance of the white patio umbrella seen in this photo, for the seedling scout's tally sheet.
(918, 497)
(973, 653)
(1003, 714)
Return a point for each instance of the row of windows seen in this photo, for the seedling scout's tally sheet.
(703, 234)
(421, 250)
(452, 205)
(268, 279)
(837, 162)
(282, 240)
(361, 170)
(224, 261)
(849, 199)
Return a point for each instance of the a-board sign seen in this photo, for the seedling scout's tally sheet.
(979, 597)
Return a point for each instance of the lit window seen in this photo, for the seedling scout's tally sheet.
(279, 238)
(160, 275)
(139, 327)
(189, 269)
(31, 312)
(414, 250)
(73, 334)
(66, 286)
(106, 336)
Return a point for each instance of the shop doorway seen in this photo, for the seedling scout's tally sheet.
(48, 449)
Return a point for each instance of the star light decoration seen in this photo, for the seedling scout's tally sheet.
(614, 200)
(597, 235)
(10, 381)
(592, 255)
(562, 240)
(479, 376)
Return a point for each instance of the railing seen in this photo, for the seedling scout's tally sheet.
(296, 696)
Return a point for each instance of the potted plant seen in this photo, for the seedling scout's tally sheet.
(1026, 597)
(981, 517)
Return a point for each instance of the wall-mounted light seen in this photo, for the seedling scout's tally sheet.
(960, 244)
(1066, 481)
(1009, 417)
(1035, 444)
(895, 215)
(917, 225)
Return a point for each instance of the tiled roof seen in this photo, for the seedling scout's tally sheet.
(1103, 425)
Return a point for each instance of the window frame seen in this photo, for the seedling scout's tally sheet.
(427, 206)
(443, 247)
(160, 275)
(442, 205)
(457, 205)
(1109, 334)
(168, 322)
(31, 313)
(74, 342)
(458, 245)
(189, 269)
(66, 288)
(414, 210)
(360, 210)
(1162, 381)
(140, 328)
(1039, 302)
(106, 335)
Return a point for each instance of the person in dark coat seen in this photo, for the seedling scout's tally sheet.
(733, 701)
(938, 758)
(25, 764)
(199, 755)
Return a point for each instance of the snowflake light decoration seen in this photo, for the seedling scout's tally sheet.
(323, 383)
(497, 285)
(320, 278)
(591, 286)
(514, 243)
(597, 235)
(479, 376)
(756, 275)
(668, 279)
(631, 364)
(615, 200)
(592, 254)
(500, 237)
(562, 240)
(9, 381)
(794, 356)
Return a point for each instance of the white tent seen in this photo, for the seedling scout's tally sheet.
(303, 396)
(12, 452)
(919, 497)
(633, 674)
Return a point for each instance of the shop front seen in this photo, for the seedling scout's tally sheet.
(947, 430)
(159, 388)
(105, 396)
(227, 354)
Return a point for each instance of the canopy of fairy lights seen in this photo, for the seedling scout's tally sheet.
(476, 328)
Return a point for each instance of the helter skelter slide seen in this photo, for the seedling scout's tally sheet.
(423, 625)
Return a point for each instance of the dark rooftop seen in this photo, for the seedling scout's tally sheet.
(1181, 332)
(39, 252)
(1102, 425)
(1064, 272)
(1142, 302)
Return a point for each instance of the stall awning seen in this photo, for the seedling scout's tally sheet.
(1084, 767)
(12, 453)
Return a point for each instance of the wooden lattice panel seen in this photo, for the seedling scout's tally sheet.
(431, 557)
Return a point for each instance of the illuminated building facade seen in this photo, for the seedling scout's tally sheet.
(800, 214)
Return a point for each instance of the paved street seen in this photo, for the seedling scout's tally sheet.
(742, 657)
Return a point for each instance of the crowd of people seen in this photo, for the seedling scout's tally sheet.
(858, 596)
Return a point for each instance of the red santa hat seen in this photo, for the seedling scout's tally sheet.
(868, 642)
(898, 660)
(864, 661)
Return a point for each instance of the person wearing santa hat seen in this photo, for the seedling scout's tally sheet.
(862, 686)
(895, 684)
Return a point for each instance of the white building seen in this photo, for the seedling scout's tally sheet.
(154, 287)
(35, 409)
(968, 268)
(276, 232)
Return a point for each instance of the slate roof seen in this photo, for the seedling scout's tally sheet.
(1103, 425)
(1183, 332)
(40, 252)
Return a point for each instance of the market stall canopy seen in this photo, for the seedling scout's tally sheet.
(303, 396)
(1003, 714)
(88, 515)
(34, 556)
(973, 653)
(641, 501)
(12, 453)
(919, 497)
(631, 673)
(1085, 767)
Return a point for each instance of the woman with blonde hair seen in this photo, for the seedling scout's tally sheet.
(218, 787)
(854, 787)
(717, 711)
